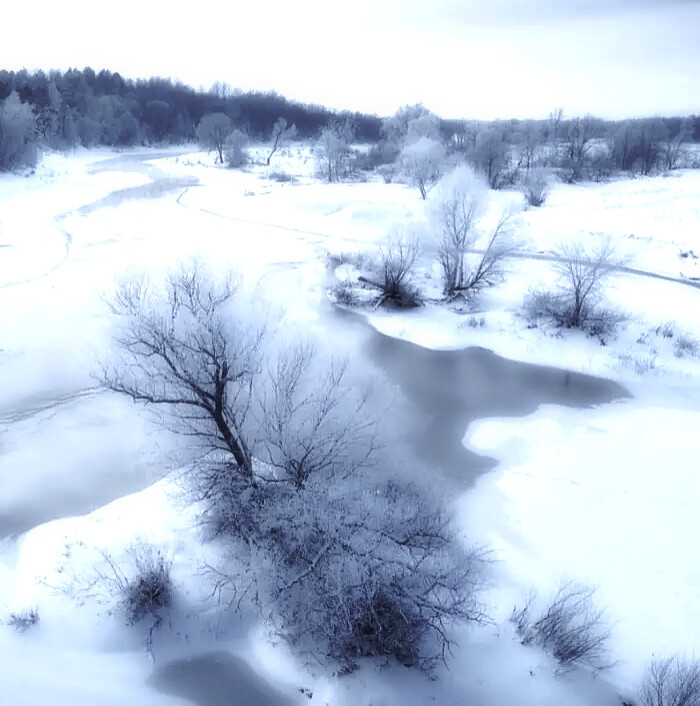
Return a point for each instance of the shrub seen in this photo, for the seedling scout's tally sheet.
(666, 330)
(344, 293)
(393, 279)
(641, 365)
(685, 345)
(535, 187)
(23, 620)
(571, 629)
(354, 569)
(149, 591)
(671, 682)
(281, 177)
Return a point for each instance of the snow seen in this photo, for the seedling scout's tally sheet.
(603, 495)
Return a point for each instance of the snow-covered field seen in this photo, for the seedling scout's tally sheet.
(601, 495)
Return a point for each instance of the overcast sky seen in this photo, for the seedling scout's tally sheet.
(461, 58)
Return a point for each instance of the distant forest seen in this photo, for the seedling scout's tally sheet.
(101, 108)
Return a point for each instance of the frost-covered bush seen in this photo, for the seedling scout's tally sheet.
(355, 568)
(235, 152)
(671, 682)
(685, 345)
(23, 620)
(422, 162)
(280, 177)
(148, 590)
(570, 628)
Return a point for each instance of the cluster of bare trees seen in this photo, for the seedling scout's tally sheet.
(216, 132)
(469, 246)
(341, 557)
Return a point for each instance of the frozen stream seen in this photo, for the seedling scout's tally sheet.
(45, 478)
(67, 447)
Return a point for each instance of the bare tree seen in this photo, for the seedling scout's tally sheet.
(671, 682)
(578, 147)
(459, 208)
(333, 149)
(181, 352)
(490, 155)
(554, 121)
(577, 302)
(395, 129)
(672, 148)
(212, 131)
(653, 134)
(281, 134)
(423, 162)
(530, 137)
(316, 423)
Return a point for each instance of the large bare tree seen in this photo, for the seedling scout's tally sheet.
(458, 210)
(180, 351)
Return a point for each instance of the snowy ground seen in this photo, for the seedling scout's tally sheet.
(603, 495)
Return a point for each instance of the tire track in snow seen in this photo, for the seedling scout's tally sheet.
(251, 222)
(522, 255)
(46, 405)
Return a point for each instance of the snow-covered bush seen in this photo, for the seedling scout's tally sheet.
(136, 586)
(570, 628)
(354, 568)
(671, 682)
(148, 591)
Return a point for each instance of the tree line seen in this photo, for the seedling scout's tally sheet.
(83, 107)
(61, 110)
